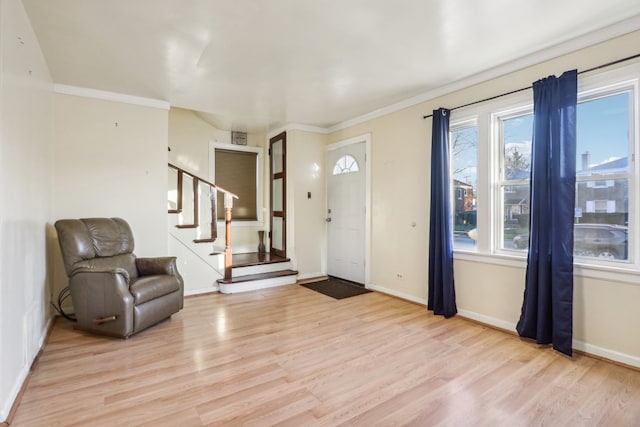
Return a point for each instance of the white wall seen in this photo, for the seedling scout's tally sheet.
(606, 316)
(110, 160)
(306, 226)
(26, 133)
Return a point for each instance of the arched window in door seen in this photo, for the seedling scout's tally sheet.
(345, 164)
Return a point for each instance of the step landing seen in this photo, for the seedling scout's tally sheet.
(252, 282)
(252, 271)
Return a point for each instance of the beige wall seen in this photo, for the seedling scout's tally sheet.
(111, 160)
(85, 165)
(26, 134)
(306, 228)
(399, 195)
(189, 138)
(605, 315)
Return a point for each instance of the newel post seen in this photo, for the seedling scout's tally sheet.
(228, 206)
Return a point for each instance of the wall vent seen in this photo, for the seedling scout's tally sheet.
(238, 138)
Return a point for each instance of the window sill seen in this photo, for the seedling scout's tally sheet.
(623, 273)
(504, 260)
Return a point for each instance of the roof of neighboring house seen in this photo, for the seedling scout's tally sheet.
(621, 163)
(519, 174)
(515, 201)
(459, 183)
(612, 166)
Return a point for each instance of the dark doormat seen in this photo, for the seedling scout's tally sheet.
(337, 288)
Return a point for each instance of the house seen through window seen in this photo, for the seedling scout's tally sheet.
(603, 214)
(464, 169)
(602, 179)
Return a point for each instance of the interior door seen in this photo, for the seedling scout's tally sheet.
(278, 205)
(346, 212)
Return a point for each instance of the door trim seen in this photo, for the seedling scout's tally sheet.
(283, 213)
(366, 138)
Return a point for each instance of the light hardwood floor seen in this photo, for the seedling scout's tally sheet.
(293, 357)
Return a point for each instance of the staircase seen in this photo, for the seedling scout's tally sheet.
(254, 270)
(232, 272)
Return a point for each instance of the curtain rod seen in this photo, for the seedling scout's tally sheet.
(608, 64)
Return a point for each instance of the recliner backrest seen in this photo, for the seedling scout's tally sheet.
(86, 239)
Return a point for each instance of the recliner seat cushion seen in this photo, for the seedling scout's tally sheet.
(147, 288)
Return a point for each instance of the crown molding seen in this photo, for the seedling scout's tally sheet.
(542, 55)
(297, 126)
(110, 96)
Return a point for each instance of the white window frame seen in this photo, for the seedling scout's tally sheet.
(592, 92)
(489, 210)
(459, 124)
(498, 212)
(259, 178)
(354, 167)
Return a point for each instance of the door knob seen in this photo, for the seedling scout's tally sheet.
(328, 219)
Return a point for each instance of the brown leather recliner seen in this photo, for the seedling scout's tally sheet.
(113, 292)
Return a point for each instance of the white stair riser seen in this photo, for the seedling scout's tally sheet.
(252, 285)
(202, 250)
(263, 268)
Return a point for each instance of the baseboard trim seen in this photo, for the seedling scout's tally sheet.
(395, 293)
(311, 279)
(20, 385)
(319, 276)
(200, 291)
(612, 356)
(488, 320)
(15, 396)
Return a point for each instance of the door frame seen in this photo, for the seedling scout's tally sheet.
(282, 136)
(366, 138)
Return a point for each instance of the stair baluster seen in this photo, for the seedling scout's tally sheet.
(228, 206)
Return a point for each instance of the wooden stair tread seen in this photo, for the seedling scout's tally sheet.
(260, 276)
(208, 240)
(255, 258)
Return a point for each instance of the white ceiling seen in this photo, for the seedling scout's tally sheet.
(256, 65)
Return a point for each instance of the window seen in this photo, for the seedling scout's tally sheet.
(464, 169)
(602, 195)
(514, 132)
(498, 145)
(345, 164)
(602, 173)
(238, 169)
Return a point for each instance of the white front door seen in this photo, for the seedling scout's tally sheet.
(346, 212)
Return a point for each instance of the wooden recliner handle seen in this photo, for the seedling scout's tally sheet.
(104, 320)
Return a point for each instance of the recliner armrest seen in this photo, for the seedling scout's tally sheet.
(155, 266)
(102, 293)
(112, 270)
